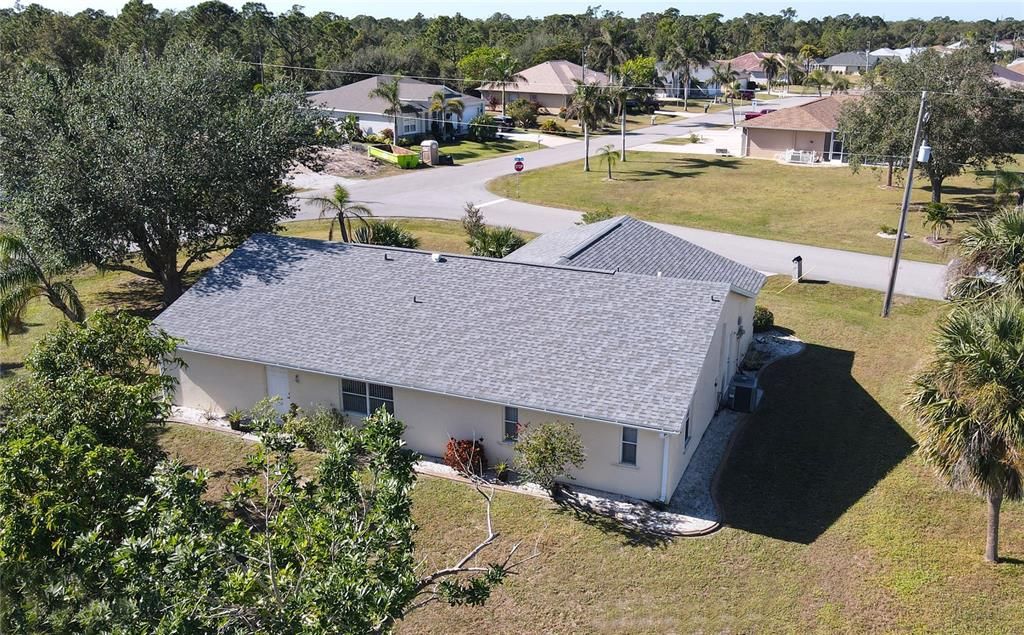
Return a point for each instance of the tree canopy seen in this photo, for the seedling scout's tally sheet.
(144, 159)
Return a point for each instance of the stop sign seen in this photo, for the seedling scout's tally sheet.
(518, 165)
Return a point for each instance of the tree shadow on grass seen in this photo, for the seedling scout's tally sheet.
(818, 444)
(580, 509)
(142, 297)
(680, 167)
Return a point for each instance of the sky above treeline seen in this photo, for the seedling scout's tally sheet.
(887, 9)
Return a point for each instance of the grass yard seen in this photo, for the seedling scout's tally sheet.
(120, 290)
(833, 523)
(633, 122)
(823, 206)
(466, 151)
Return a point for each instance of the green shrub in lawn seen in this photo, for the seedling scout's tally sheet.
(544, 453)
(524, 113)
(386, 233)
(313, 430)
(552, 126)
(483, 128)
(764, 319)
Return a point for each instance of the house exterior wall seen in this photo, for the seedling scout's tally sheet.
(215, 384)
(766, 143)
(549, 103)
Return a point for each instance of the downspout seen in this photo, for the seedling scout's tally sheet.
(664, 468)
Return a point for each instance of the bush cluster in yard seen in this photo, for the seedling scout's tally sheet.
(313, 430)
(544, 452)
(552, 126)
(386, 233)
(764, 319)
(483, 128)
(465, 455)
(524, 113)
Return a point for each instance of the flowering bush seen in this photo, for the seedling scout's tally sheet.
(465, 455)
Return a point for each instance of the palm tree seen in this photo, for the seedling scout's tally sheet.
(611, 47)
(592, 107)
(939, 217)
(771, 66)
(807, 53)
(607, 154)
(342, 210)
(503, 70)
(794, 70)
(389, 91)
(725, 77)
(620, 95)
(969, 403)
(684, 58)
(25, 277)
(495, 242)
(816, 78)
(441, 108)
(991, 257)
(839, 83)
(1009, 187)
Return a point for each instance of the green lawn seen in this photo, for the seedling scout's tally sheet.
(466, 151)
(824, 206)
(119, 290)
(833, 523)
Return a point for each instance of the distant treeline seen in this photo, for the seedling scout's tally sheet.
(423, 46)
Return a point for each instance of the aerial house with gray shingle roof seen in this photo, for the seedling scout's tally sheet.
(468, 347)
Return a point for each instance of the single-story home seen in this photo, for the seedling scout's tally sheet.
(903, 54)
(749, 66)
(549, 84)
(416, 96)
(809, 129)
(849, 63)
(1008, 78)
(623, 330)
(702, 83)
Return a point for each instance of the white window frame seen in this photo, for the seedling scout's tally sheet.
(505, 436)
(623, 442)
(368, 396)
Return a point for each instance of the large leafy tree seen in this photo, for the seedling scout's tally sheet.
(971, 120)
(970, 405)
(149, 165)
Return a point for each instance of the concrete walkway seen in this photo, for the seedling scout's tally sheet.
(442, 193)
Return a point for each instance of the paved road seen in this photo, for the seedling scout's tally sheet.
(443, 192)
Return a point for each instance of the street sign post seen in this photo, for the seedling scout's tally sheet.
(518, 165)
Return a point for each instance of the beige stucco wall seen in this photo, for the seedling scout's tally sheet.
(765, 143)
(549, 103)
(214, 384)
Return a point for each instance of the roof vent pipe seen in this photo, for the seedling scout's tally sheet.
(436, 257)
(659, 274)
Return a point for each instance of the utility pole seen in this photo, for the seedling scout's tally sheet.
(908, 188)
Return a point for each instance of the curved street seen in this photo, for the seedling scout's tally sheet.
(443, 192)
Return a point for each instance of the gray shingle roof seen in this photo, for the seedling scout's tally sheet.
(355, 97)
(632, 246)
(851, 58)
(598, 345)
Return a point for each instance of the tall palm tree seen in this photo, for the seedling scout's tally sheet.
(607, 154)
(816, 78)
(794, 70)
(611, 47)
(342, 210)
(24, 277)
(685, 58)
(969, 403)
(771, 66)
(807, 53)
(389, 91)
(455, 107)
(503, 71)
(725, 77)
(991, 258)
(620, 96)
(590, 105)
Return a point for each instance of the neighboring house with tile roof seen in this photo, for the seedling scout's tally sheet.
(416, 96)
(468, 347)
(550, 84)
(808, 128)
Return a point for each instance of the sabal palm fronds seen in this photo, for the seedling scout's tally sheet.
(969, 404)
(991, 260)
(23, 278)
(342, 210)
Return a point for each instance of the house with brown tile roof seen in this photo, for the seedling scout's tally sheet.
(809, 129)
(550, 84)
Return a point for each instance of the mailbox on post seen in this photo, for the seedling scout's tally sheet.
(798, 268)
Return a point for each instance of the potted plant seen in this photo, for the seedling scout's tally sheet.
(501, 471)
(238, 420)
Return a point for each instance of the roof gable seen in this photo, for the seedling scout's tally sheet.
(604, 346)
(633, 246)
(554, 77)
(820, 115)
(355, 97)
